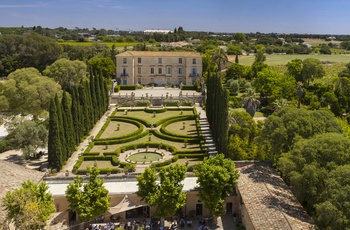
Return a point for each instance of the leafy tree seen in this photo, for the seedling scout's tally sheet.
(295, 67)
(345, 45)
(67, 73)
(104, 66)
(236, 71)
(30, 206)
(219, 58)
(236, 50)
(325, 49)
(29, 136)
(88, 200)
(27, 50)
(239, 37)
(28, 92)
(312, 69)
(318, 169)
(217, 177)
(167, 197)
(285, 127)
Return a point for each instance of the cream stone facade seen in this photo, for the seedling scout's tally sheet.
(158, 68)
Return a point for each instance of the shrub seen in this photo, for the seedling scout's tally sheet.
(155, 110)
(189, 87)
(127, 87)
(187, 103)
(116, 88)
(5, 145)
(142, 103)
(167, 102)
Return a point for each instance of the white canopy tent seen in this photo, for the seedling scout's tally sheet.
(124, 205)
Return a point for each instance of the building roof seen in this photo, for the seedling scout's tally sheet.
(157, 54)
(12, 176)
(268, 200)
(122, 186)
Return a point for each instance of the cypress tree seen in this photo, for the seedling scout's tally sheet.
(62, 135)
(93, 97)
(98, 95)
(68, 124)
(84, 109)
(54, 140)
(76, 116)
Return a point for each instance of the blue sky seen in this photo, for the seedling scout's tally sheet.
(279, 16)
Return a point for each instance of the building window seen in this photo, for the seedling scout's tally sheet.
(139, 70)
(194, 61)
(124, 72)
(168, 82)
(151, 80)
(168, 70)
(152, 70)
(160, 60)
(180, 60)
(139, 81)
(139, 60)
(194, 72)
(124, 60)
(160, 71)
(180, 70)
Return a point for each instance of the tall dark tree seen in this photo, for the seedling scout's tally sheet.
(68, 124)
(54, 146)
(62, 135)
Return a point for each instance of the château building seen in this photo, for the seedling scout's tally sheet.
(158, 68)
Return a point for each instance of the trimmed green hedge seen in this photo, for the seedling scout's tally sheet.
(127, 87)
(155, 110)
(176, 119)
(142, 103)
(168, 102)
(121, 140)
(164, 163)
(144, 122)
(192, 140)
(121, 119)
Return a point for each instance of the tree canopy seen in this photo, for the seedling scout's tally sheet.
(103, 65)
(217, 177)
(283, 128)
(88, 200)
(27, 50)
(28, 92)
(30, 206)
(67, 73)
(167, 196)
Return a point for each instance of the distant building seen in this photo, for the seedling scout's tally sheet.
(157, 31)
(158, 68)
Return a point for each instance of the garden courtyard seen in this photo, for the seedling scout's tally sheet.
(133, 138)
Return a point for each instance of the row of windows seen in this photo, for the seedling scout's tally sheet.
(160, 61)
(168, 70)
(160, 71)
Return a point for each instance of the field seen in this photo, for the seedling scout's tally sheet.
(110, 44)
(282, 59)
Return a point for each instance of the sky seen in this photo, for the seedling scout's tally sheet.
(265, 16)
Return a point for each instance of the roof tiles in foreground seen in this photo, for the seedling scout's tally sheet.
(268, 200)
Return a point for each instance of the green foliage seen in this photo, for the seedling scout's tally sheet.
(28, 92)
(67, 73)
(216, 178)
(29, 136)
(127, 87)
(236, 71)
(285, 127)
(219, 58)
(189, 87)
(5, 145)
(27, 50)
(30, 206)
(89, 200)
(167, 197)
(169, 102)
(103, 65)
(312, 69)
(318, 171)
(143, 103)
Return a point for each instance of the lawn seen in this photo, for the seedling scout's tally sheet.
(178, 127)
(113, 130)
(282, 59)
(153, 118)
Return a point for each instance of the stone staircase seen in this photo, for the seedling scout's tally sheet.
(209, 143)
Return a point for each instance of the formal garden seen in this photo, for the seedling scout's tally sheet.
(145, 137)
